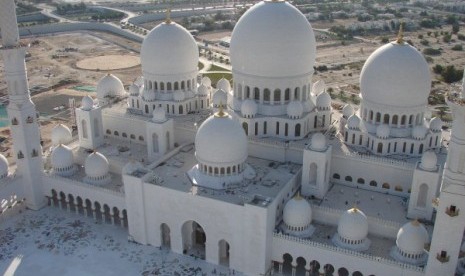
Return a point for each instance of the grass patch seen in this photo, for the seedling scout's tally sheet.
(215, 77)
(200, 65)
(217, 68)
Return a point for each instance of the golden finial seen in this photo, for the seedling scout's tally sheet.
(298, 196)
(220, 112)
(400, 35)
(355, 208)
(415, 222)
(168, 16)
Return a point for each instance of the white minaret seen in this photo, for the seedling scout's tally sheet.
(450, 218)
(21, 111)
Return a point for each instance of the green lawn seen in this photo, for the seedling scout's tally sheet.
(217, 68)
(215, 77)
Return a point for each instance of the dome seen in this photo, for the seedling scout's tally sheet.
(224, 85)
(318, 142)
(159, 115)
(353, 225)
(323, 100)
(3, 166)
(347, 111)
(109, 85)
(297, 213)
(202, 90)
(353, 122)
(96, 165)
(179, 96)
(435, 124)
(61, 134)
(169, 49)
(221, 140)
(419, 132)
(412, 237)
(273, 39)
(249, 108)
(62, 157)
(87, 103)
(383, 131)
(295, 109)
(396, 74)
(134, 90)
(148, 95)
(219, 98)
(429, 161)
(206, 81)
(318, 87)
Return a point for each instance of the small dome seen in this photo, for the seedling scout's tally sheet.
(148, 95)
(61, 134)
(347, 111)
(412, 238)
(383, 131)
(318, 142)
(353, 122)
(87, 103)
(419, 132)
(96, 166)
(273, 39)
(206, 81)
(295, 109)
(224, 85)
(202, 90)
(429, 161)
(297, 213)
(323, 100)
(169, 49)
(159, 115)
(396, 74)
(111, 86)
(3, 166)
(435, 124)
(62, 157)
(219, 98)
(179, 96)
(353, 225)
(134, 90)
(249, 108)
(319, 87)
(221, 140)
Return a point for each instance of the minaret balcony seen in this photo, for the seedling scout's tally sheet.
(452, 211)
(442, 257)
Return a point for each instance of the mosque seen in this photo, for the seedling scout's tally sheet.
(260, 174)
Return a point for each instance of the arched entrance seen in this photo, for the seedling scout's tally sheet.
(223, 253)
(165, 236)
(193, 239)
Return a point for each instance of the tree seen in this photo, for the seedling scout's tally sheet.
(455, 28)
(450, 74)
(438, 69)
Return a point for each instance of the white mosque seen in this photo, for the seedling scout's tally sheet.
(260, 175)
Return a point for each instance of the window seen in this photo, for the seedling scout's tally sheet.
(336, 176)
(361, 181)
(373, 183)
(348, 178)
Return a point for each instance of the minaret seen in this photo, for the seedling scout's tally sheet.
(21, 111)
(450, 218)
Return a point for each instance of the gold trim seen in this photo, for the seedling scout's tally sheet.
(400, 35)
(168, 16)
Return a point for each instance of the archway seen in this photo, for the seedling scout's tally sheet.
(287, 264)
(106, 214)
(193, 239)
(63, 201)
(314, 268)
(98, 211)
(422, 195)
(312, 174)
(245, 126)
(300, 268)
(343, 272)
(155, 142)
(54, 198)
(116, 219)
(223, 253)
(72, 205)
(165, 235)
(328, 270)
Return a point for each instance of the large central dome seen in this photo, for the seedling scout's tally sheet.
(169, 49)
(396, 75)
(273, 39)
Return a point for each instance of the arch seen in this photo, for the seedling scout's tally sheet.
(357, 273)
(386, 119)
(132, 136)
(116, 133)
(54, 198)
(398, 188)
(180, 109)
(336, 176)
(141, 138)
(193, 239)
(96, 128)
(386, 186)
(165, 235)
(72, 204)
(373, 183)
(84, 129)
(245, 126)
(312, 174)
(371, 115)
(116, 218)
(183, 85)
(124, 135)
(287, 94)
(88, 208)
(176, 85)
(63, 200)
(297, 93)
(155, 85)
(300, 268)
(256, 93)
(380, 148)
(342, 272)
(79, 205)
(146, 109)
(348, 178)
(168, 86)
(286, 129)
(14, 122)
(395, 119)
(223, 253)
(277, 128)
(287, 264)
(98, 211)
(410, 119)
(420, 149)
(361, 181)
(264, 127)
(106, 213)
(328, 270)
(422, 195)
(378, 117)
(277, 95)
(314, 267)
(162, 86)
